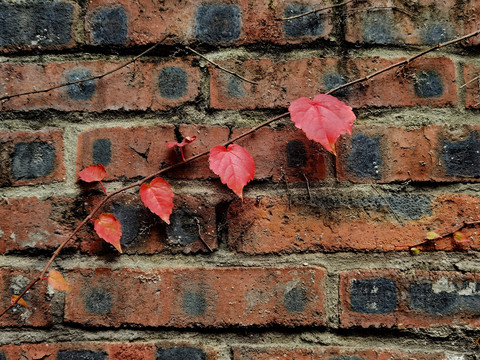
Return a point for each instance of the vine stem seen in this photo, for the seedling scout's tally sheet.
(193, 158)
(318, 10)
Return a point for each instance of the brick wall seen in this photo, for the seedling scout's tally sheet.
(314, 262)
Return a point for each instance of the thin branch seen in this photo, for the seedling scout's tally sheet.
(97, 77)
(470, 81)
(220, 67)
(404, 62)
(388, 204)
(200, 235)
(394, 8)
(318, 10)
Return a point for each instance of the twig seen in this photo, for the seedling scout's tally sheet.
(394, 8)
(404, 62)
(200, 235)
(308, 186)
(318, 10)
(97, 77)
(220, 67)
(470, 81)
(388, 204)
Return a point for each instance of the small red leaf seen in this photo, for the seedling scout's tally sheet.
(158, 197)
(186, 140)
(19, 302)
(234, 165)
(109, 229)
(56, 281)
(93, 173)
(323, 119)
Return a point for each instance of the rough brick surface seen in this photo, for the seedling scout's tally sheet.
(205, 297)
(110, 351)
(343, 222)
(470, 73)
(329, 353)
(389, 298)
(37, 25)
(140, 86)
(425, 82)
(31, 157)
(12, 282)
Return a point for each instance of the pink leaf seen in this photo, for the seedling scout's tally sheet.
(234, 165)
(93, 173)
(158, 197)
(109, 229)
(186, 140)
(323, 119)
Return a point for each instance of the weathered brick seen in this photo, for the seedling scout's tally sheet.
(129, 23)
(343, 222)
(110, 351)
(205, 297)
(37, 25)
(418, 299)
(424, 82)
(423, 22)
(31, 157)
(140, 86)
(329, 353)
(12, 282)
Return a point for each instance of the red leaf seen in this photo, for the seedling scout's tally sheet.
(234, 165)
(186, 140)
(109, 229)
(323, 119)
(158, 197)
(93, 173)
(56, 280)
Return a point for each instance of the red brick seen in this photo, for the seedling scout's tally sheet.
(135, 87)
(426, 22)
(472, 90)
(13, 281)
(417, 299)
(31, 157)
(186, 297)
(114, 351)
(320, 353)
(343, 222)
(30, 223)
(148, 22)
(425, 82)
(193, 220)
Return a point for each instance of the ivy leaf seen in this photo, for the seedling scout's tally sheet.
(234, 165)
(109, 229)
(432, 235)
(323, 119)
(56, 281)
(158, 197)
(186, 140)
(93, 173)
(20, 302)
(460, 237)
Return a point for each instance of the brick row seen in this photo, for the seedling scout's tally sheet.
(341, 222)
(426, 82)
(48, 25)
(205, 297)
(416, 299)
(330, 353)
(140, 86)
(111, 351)
(30, 224)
